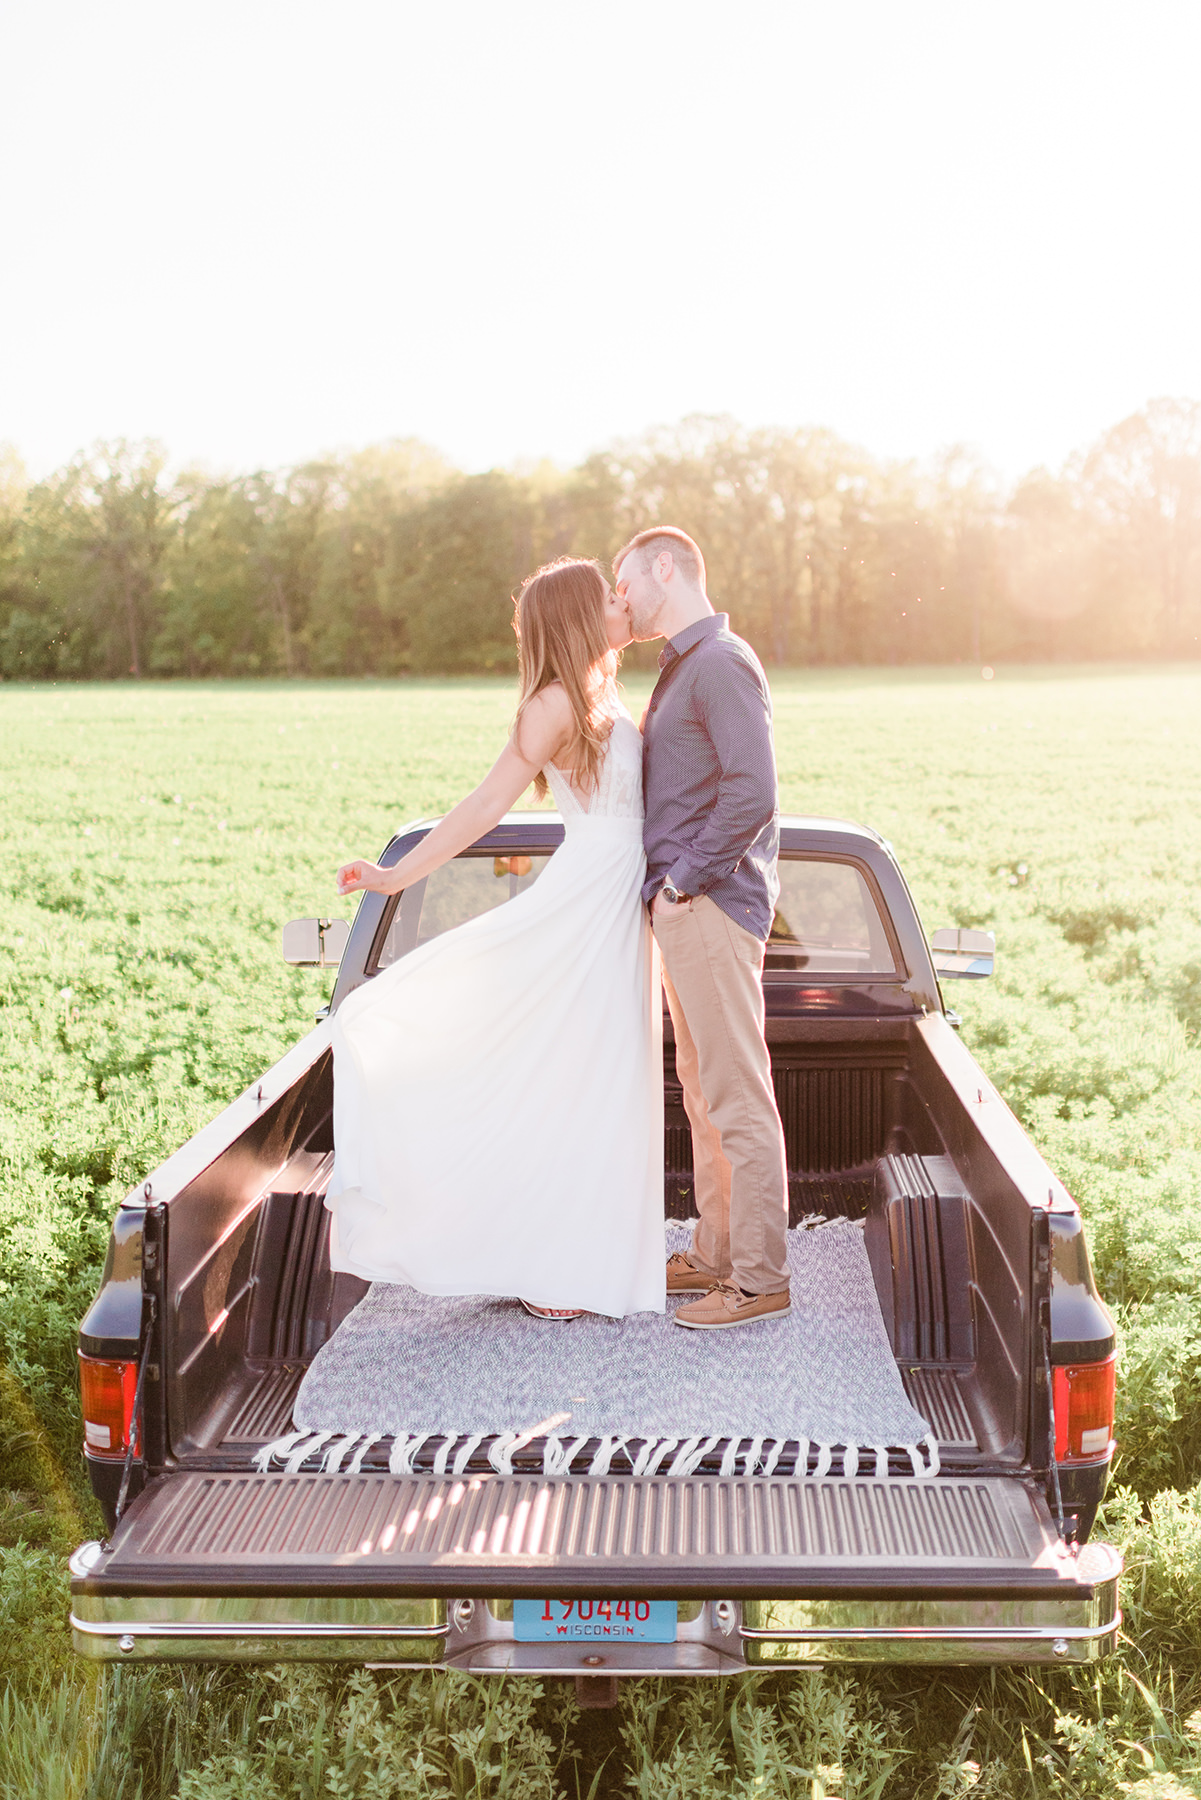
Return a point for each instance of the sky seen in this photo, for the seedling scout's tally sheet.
(264, 230)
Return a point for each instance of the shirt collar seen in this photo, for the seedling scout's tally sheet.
(692, 634)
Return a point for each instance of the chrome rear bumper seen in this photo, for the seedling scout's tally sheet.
(1066, 1629)
(716, 1637)
(212, 1628)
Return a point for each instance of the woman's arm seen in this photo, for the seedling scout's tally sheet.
(546, 730)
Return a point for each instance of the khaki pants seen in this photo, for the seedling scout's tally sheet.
(713, 974)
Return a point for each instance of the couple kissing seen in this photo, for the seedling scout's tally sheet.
(498, 1092)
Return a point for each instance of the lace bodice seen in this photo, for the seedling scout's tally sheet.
(619, 791)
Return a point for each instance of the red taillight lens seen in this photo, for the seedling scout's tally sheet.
(1084, 1411)
(108, 1391)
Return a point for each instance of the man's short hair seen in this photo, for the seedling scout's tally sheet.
(683, 551)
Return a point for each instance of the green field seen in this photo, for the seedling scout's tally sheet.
(153, 841)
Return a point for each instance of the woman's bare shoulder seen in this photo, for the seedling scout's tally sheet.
(550, 707)
(546, 724)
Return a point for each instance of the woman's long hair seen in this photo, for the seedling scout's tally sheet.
(561, 636)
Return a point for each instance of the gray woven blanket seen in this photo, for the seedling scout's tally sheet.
(416, 1368)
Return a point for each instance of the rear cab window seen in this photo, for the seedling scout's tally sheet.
(460, 890)
(830, 921)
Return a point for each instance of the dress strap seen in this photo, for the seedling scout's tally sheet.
(561, 787)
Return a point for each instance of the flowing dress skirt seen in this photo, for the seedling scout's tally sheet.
(498, 1097)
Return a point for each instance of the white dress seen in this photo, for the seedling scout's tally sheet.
(498, 1093)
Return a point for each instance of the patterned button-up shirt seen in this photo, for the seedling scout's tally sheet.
(709, 775)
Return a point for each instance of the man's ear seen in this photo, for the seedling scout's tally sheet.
(664, 565)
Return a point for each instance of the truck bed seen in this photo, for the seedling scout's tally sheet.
(863, 1143)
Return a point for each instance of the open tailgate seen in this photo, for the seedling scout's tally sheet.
(386, 1567)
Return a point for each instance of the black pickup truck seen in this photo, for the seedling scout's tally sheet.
(217, 1294)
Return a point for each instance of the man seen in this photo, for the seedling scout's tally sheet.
(712, 837)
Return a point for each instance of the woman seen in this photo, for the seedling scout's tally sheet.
(498, 1092)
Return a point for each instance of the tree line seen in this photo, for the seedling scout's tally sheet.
(389, 560)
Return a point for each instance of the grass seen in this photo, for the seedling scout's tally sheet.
(153, 840)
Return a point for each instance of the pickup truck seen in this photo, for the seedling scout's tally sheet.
(217, 1294)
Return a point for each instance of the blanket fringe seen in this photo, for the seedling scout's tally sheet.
(336, 1451)
(606, 1449)
(683, 1455)
(356, 1464)
(559, 1455)
(500, 1452)
(690, 1457)
(663, 1449)
(302, 1452)
(263, 1458)
(777, 1450)
(924, 1469)
(464, 1455)
(404, 1449)
(668, 1456)
(651, 1454)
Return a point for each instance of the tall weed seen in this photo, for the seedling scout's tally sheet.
(822, 1734)
(295, 1734)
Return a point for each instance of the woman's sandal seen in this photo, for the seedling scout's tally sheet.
(555, 1313)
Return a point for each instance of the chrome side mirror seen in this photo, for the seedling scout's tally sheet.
(315, 943)
(963, 955)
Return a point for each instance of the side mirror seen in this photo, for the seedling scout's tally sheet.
(962, 955)
(315, 943)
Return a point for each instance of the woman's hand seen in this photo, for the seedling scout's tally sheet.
(353, 876)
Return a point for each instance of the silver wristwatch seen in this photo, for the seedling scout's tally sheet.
(672, 894)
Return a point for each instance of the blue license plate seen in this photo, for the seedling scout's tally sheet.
(596, 1621)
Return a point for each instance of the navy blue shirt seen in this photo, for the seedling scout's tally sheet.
(709, 776)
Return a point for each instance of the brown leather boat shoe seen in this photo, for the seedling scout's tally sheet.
(684, 1276)
(727, 1305)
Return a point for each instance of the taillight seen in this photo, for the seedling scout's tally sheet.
(1084, 1410)
(108, 1393)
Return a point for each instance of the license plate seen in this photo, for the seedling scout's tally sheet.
(605, 1621)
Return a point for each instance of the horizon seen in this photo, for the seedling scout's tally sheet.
(177, 467)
